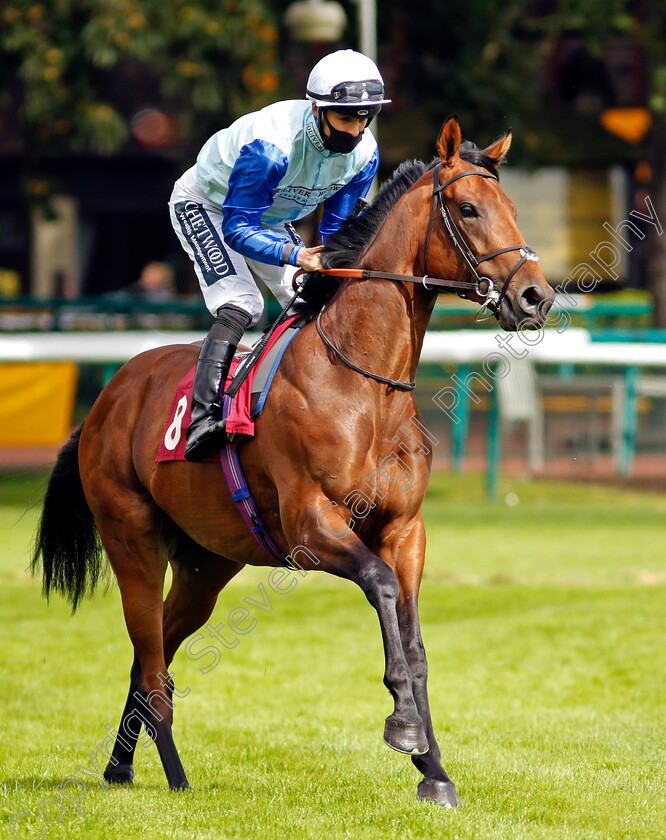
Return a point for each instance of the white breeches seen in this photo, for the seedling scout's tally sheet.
(224, 275)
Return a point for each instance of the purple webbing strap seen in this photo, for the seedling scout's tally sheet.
(241, 496)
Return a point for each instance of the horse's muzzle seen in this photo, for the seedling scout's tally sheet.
(528, 310)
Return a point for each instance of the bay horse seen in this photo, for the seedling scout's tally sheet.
(325, 451)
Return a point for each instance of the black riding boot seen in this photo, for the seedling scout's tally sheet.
(210, 377)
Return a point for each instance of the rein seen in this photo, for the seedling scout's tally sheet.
(433, 283)
(394, 383)
(479, 284)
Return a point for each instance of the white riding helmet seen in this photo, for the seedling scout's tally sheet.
(347, 79)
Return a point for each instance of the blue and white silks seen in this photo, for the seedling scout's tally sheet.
(250, 182)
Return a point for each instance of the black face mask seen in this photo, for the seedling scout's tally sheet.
(339, 141)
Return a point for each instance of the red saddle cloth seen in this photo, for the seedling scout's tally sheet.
(239, 421)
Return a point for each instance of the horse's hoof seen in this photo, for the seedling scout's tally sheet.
(119, 774)
(182, 785)
(443, 793)
(407, 738)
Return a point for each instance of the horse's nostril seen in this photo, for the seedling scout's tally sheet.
(532, 298)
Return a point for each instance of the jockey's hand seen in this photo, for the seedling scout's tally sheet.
(309, 259)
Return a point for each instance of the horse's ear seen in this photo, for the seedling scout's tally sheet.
(449, 139)
(500, 148)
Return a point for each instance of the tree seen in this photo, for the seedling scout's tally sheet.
(547, 68)
(75, 73)
(607, 28)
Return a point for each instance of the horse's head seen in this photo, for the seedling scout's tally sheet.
(477, 228)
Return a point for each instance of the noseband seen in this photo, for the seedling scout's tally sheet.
(484, 285)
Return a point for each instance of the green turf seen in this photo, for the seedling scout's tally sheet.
(544, 620)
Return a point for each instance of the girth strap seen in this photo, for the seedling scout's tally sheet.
(242, 498)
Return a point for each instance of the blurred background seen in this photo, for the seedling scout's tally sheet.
(104, 104)
(543, 599)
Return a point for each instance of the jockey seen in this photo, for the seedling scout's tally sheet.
(232, 211)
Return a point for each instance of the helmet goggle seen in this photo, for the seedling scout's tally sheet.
(347, 92)
(357, 91)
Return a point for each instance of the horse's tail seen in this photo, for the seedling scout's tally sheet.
(67, 542)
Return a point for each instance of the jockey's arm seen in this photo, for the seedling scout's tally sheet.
(256, 173)
(340, 205)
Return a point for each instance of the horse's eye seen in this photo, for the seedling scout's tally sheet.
(467, 210)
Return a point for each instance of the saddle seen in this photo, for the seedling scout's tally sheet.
(239, 412)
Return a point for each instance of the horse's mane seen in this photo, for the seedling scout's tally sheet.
(344, 247)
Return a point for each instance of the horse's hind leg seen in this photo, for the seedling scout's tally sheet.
(198, 576)
(138, 554)
(120, 768)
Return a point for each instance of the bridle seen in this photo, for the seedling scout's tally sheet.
(483, 286)
(478, 284)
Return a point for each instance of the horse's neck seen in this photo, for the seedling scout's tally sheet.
(386, 320)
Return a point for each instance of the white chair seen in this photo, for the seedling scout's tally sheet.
(520, 402)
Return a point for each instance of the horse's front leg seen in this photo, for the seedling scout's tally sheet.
(404, 549)
(404, 728)
(349, 558)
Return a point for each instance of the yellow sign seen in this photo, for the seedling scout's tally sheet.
(631, 124)
(36, 402)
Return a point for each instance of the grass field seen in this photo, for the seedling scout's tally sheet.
(544, 619)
